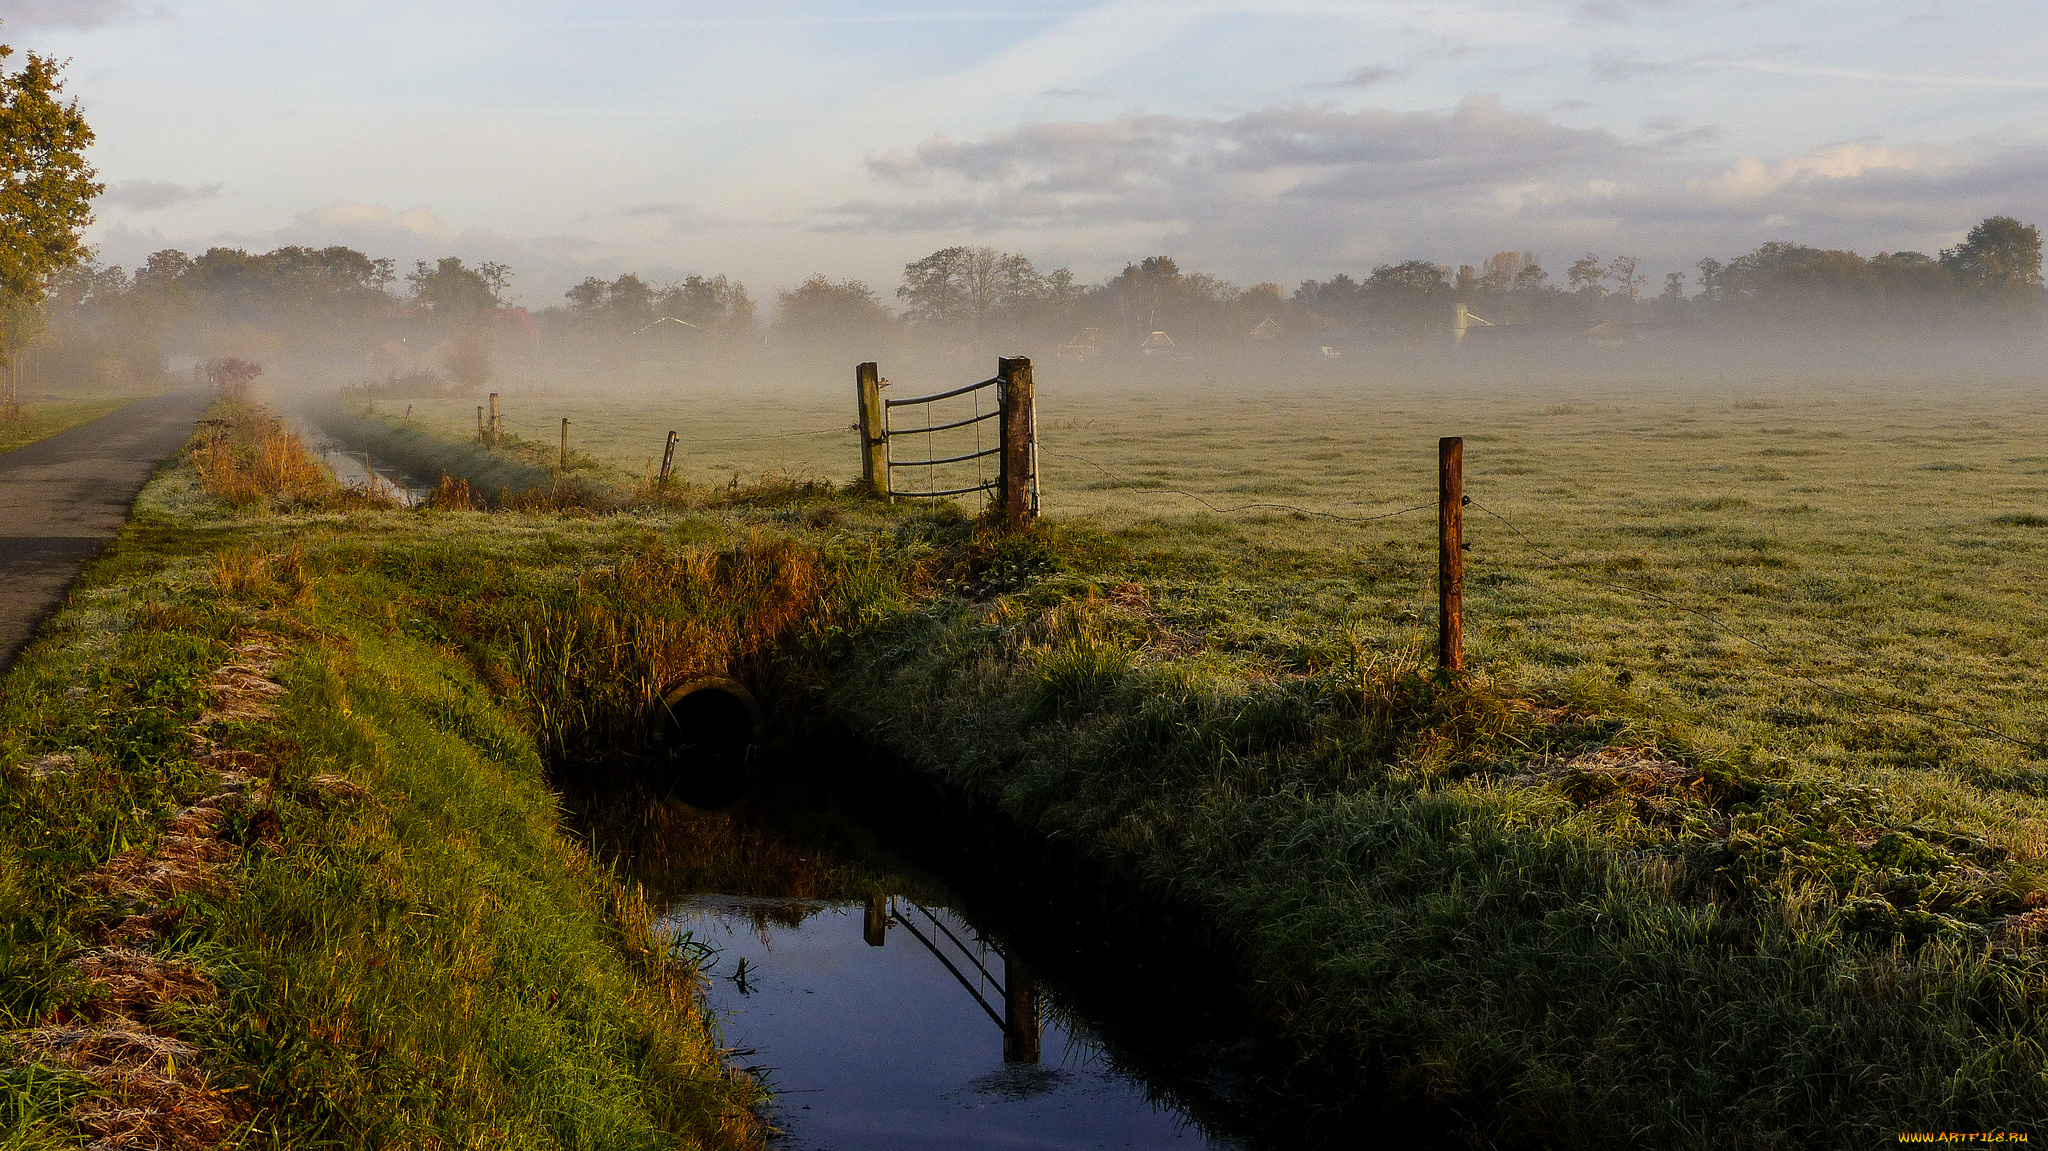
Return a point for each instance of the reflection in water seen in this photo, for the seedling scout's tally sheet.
(918, 1044)
(353, 469)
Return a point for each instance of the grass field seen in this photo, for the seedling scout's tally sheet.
(1733, 839)
(43, 419)
(1879, 542)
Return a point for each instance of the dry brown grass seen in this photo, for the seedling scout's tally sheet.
(454, 495)
(271, 464)
(256, 573)
(597, 663)
(249, 459)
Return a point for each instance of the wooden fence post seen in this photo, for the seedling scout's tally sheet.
(1017, 441)
(1450, 553)
(493, 442)
(874, 442)
(565, 443)
(480, 426)
(668, 458)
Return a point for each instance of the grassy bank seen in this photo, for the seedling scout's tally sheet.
(279, 868)
(1631, 880)
(516, 469)
(43, 419)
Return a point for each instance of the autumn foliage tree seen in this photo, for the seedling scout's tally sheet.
(46, 192)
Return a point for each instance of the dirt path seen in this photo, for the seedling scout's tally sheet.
(63, 499)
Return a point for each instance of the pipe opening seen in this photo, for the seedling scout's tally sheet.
(708, 730)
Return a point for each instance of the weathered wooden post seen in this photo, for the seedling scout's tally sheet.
(1450, 553)
(874, 439)
(494, 420)
(565, 443)
(1461, 321)
(480, 426)
(668, 459)
(1020, 1013)
(1014, 394)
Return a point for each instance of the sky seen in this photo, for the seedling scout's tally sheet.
(1258, 140)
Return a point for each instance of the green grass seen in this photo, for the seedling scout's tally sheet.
(516, 468)
(43, 419)
(1637, 879)
(419, 955)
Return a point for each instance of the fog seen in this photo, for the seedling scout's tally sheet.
(331, 321)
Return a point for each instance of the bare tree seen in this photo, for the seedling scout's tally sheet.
(1623, 272)
(1585, 275)
(966, 285)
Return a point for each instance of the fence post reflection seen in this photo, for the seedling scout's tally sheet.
(1020, 1013)
(874, 925)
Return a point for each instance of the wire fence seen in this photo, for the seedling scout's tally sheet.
(976, 416)
(1643, 595)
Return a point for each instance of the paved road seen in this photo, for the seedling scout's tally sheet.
(63, 499)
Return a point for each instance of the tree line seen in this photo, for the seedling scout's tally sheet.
(116, 324)
(336, 299)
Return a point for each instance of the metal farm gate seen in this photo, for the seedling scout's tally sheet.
(954, 440)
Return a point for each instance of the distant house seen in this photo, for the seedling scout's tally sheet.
(1267, 330)
(1157, 344)
(1604, 335)
(1081, 346)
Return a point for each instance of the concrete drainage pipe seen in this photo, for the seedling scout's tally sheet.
(708, 728)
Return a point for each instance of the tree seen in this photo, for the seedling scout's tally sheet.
(449, 292)
(1585, 275)
(967, 285)
(1623, 271)
(1410, 295)
(2000, 257)
(46, 187)
(825, 309)
(712, 303)
(1710, 278)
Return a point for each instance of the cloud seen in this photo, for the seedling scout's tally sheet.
(1318, 151)
(151, 195)
(1366, 77)
(1750, 178)
(1616, 66)
(681, 218)
(75, 14)
(1619, 11)
(1324, 186)
(369, 227)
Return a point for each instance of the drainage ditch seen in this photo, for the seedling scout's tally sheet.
(907, 968)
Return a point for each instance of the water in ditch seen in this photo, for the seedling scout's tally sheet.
(884, 1013)
(353, 468)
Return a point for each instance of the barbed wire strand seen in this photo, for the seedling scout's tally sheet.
(1239, 508)
(1726, 628)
